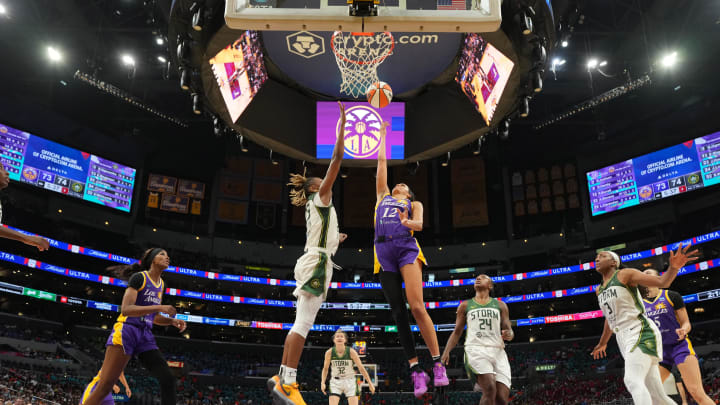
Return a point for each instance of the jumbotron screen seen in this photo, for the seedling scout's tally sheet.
(362, 129)
(62, 169)
(483, 73)
(678, 169)
(240, 72)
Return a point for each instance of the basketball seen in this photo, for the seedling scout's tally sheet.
(379, 94)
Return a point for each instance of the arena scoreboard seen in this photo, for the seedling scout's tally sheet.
(675, 170)
(49, 165)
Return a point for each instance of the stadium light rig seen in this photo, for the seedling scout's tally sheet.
(597, 100)
(125, 96)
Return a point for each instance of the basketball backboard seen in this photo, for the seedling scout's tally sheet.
(393, 15)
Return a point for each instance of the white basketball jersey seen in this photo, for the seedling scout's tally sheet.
(321, 224)
(621, 305)
(483, 324)
(341, 366)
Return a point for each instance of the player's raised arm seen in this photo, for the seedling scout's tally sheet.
(678, 259)
(326, 185)
(381, 186)
(460, 322)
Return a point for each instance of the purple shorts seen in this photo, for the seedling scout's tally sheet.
(108, 400)
(133, 340)
(391, 255)
(676, 353)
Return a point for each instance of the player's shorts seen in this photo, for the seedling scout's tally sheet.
(392, 254)
(313, 272)
(676, 353)
(344, 386)
(644, 337)
(108, 400)
(487, 360)
(133, 340)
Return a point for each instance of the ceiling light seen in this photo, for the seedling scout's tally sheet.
(603, 63)
(564, 43)
(161, 59)
(669, 60)
(592, 63)
(159, 40)
(53, 54)
(3, 10)
(127, 60)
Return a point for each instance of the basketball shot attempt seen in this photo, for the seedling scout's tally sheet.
(379, 94)
(638, 338)
(313, 270)
(488, 326)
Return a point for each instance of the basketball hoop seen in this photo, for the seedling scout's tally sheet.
(358, 56)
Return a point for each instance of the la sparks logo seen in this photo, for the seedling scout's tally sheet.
(660, 306)
(362, 131)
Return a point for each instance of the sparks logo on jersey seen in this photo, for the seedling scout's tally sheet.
(660, 306)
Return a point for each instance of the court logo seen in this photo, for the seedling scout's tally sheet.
(362, 131)
(305, 44)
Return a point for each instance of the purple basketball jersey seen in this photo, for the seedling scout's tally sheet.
(387, 220)
(661, 311)
(148, 294)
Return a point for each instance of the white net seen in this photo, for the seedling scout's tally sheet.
(358, 56)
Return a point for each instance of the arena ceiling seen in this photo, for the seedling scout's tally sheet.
(92, 36)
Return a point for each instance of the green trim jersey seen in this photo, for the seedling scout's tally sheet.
(341, 366)
(483, 324)
(321, 224)
(625, 313)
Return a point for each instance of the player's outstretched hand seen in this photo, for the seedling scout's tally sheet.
(343, 236)
(116, 389)
(322, 384)
(40, 243)
(342, 111)
(599, 352)
(371, 386)
(681, 257)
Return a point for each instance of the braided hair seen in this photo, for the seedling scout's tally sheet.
(300, 189)
(126, 271)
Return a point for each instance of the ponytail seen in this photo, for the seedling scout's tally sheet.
(299, 193)
(126, 271)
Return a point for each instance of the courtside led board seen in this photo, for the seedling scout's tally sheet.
(62, 169)
(362, 129)
(678, 169)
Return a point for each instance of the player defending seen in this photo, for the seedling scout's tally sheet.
(637, 337)
(342, 375)
(667, 309)
(488, 325)
(38, 242)
(313, 269)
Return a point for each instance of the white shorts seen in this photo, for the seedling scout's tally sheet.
(644, 337)
(487, 360)
(313, 273)
(344, 386)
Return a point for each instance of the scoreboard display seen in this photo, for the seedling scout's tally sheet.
(675, 170)
(49, 165)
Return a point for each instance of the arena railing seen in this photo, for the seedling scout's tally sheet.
(644, 254)
(234, 299)
(59, 298)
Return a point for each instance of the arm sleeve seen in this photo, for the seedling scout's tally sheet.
(676, 299)
(136, 281)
